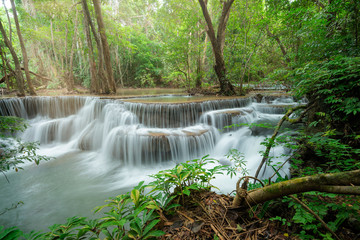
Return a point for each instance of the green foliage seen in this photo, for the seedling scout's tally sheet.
(9, 233)
(339, 156)
(326, 207)
(13, 151)
(11, 125)
(186, 177)
(335, 84)
(54, 84)
(129, 216)
(239, 163)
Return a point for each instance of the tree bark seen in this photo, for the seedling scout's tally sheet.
(94, 87)
(118, 63)
(23, 50)
(100, 81)
(217, 43)
(8, 18)
(70, 74)
(105, 46)
(340, 183)
(18, 74)
(5, 78)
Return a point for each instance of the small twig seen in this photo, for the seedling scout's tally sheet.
(216, 231)
(315, 215)
(278, 170)
(276, 131)
(5, 176)
(15, 205)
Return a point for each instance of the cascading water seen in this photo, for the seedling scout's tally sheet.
(103, 147)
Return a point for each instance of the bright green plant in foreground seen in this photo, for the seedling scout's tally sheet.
(185, 177)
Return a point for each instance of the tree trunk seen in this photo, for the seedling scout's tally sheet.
(5, 77)
(118, 63)
(217, 43)
(8, 18)
(102, 81)
(281, 45)
(94, 84)
(23, 50)
(18, 74)
(105, 46)
(201, 63)
(70, 74)
(52, 40)
(340, 183)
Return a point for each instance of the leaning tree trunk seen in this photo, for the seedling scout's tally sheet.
(18, 74)
(339, 183)
(218, 43)
(8, 18)
(281, 45)
(23, 50)
(105, 46)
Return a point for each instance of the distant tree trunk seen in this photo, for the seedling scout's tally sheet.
(5, 78)
(52, 40)
(102, 81)
(8, 17)
(9, 83)
(218, 42)
(71, 63)
(118, 63)
(281, 45)
(70, 75)
(23, 50)
(201, 61)
(94, 83)
(105, 46)
(18, 74)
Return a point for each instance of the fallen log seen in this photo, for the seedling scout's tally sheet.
(340, 183)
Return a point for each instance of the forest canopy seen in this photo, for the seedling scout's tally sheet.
(167, 43)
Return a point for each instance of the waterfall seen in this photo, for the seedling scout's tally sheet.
(132, 133)
(138, 133)
(103, 147)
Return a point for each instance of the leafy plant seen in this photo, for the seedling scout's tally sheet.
(13, 151)
(185, 177)
(239, 163)
(335, 85)
(326, 207)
